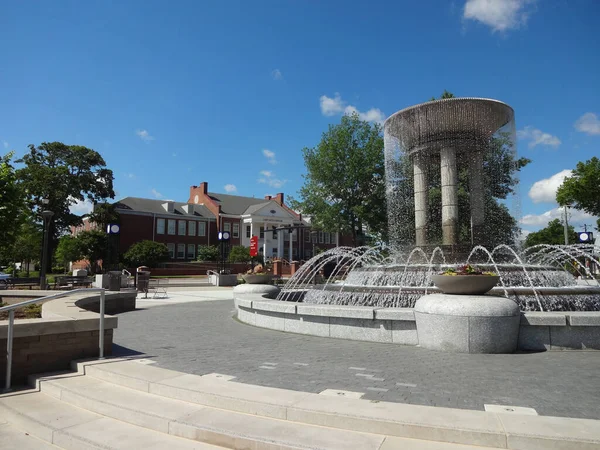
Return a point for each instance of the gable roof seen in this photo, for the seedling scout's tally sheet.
(148, 205)
(253, 208)
(235, 204)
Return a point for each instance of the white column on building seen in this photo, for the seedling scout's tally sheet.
(291, 245)
(251, 229)
(477, 198)
(449, 195)
(265, 234)
(421, 198)
(280, 244)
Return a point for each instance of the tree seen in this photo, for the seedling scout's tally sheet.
(208, 253)
(104, 214)
(554, 233)
(444, 95)
(582, 189)
(146, 253)
(344, 188)
(27, 244)
(11, 203)
(239, 253)
(68, 250)
(63, 175)
(92, 245)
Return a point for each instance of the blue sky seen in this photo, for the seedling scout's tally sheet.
(175, 93)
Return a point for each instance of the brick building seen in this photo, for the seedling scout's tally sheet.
(185, 226)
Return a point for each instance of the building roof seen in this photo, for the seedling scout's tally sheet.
(237, 205)
(253, 208)
(152, 206)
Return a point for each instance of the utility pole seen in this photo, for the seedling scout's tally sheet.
(566, 227)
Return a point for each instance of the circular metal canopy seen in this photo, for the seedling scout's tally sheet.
(433, 124)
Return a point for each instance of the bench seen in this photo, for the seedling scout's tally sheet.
(29, 282)
(72, 282)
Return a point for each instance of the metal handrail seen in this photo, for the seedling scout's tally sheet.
(11, 324)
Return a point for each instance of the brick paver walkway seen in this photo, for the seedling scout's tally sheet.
(203, 338)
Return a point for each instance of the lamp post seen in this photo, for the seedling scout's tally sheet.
(47, 215)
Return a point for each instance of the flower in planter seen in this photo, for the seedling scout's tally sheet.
(467, 269)
(259, 269)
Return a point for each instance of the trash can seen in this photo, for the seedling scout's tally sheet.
(143, 279)
(114, 281)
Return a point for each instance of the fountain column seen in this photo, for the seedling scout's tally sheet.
(449, 195)
(421, 198)
(476, 197)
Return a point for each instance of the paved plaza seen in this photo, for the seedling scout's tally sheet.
(191, 332)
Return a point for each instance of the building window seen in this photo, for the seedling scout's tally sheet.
(191, 228)
(326, 237)
(315, 236)
(171, 248)
(236, 230)
(333, 238)
(227, 227)
(320, 237)
(274, 249)
(201, 228)
(248, 234)
(171, 227)
(160, 226)
(262, 232)
(181, 229)
(307, 235)
(180, 251)
(295, 252)
(191, 253)
(274, 232)
(308, 253)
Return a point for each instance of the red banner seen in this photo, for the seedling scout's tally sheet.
(254, 246)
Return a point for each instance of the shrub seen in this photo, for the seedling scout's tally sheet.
(208, 253)
(239, 253)
(146, 253)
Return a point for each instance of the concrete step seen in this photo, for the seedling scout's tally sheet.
(68, 427)
(446, 425)
(205, 424)
(12, 438)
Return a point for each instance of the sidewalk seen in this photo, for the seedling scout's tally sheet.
(188, 294)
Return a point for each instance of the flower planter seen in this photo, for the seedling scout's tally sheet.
(465, 284)
(257, 279)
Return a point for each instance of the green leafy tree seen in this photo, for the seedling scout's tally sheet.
(582, 189)
(11, 204)
(63, 175)
(239, 253)
(553, 233)
(146, 253)
(27, 244)
(68, 250)
(104, 214)
(207, 253)
(445, 94)
(92, 245)
(344, 188)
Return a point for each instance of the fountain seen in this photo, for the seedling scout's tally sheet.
(452, 198)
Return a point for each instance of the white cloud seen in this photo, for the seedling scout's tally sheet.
(131, 175)
(576, 218)
(230, 188)
(81, 207)
(545, 190)
(332, 106)
(144, 135)
(538, 137)
(270, 155)
(5, 144)
(589, 123)
(269, 178)
(277, 75)
(156, 193)
(499, 15)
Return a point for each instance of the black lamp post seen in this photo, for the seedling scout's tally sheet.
(47, 215)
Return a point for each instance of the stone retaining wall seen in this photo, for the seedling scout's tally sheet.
(68, 330)
(538, 330)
